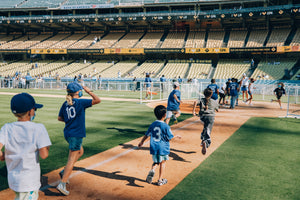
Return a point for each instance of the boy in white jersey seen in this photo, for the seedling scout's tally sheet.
(24, 142)
(160, 134)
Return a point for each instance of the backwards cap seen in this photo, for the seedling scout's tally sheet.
(74, 87)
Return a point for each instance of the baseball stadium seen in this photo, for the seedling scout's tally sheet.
(132, 58)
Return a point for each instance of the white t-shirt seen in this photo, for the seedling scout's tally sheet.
(245, 81)
(221, 88)
(22, 140)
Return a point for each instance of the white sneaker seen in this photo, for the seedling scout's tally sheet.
(62, 188)
(280, 107)
(150, 176)
(250, 104)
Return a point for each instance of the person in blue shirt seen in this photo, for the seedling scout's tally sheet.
(233, 91)
(160, 135)
(72, 113)
(215, 88)
(174, 101)
(148, 84)
(179, 80)
(28, 79)
(162, 81)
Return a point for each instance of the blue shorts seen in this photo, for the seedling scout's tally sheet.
(244, 88)
(159, 158)
(75, 143)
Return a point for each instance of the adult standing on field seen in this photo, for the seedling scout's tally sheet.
(72, 113)
(244, 86)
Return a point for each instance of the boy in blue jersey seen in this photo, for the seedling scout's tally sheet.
(215, 88)
(72, 113)
(173, 104)
(233, 91)
(160, 134)
(148, 84)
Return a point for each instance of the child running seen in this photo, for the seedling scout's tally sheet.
(160, 134)
(208, 106)
(24, 142)
(72, 113)
(278, 92)
(174, 101)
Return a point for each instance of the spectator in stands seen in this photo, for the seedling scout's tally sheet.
(215, 88)
(252, 63)
(99, 81)
(119, 74)
(36, 65)
(162, 82)
(28, 78)
(179, 79)
(148, 84)
(32, 66)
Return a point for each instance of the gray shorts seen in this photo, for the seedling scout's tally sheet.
(159, 158)
(170, 113)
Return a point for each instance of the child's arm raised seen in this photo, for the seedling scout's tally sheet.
(96, 99)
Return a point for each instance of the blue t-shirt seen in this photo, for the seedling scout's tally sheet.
(172, 103)
(74, 117)
(179, 80)
(233, 88)
(148, 81)
(160, 135)
(214, 88)
(162, 79)
(28, 77)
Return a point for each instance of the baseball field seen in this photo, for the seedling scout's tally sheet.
(254, 154)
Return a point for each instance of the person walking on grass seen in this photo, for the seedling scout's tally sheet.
(24, 142)
(72, 113)
(160, 135)
(174, 101)
(208, 106)
(278, 92)
(250, 91)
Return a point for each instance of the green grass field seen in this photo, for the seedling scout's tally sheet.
(108, 124)
(260, 161)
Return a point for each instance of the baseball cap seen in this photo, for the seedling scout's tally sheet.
(74, 87)
(23, 102)
(176, 84)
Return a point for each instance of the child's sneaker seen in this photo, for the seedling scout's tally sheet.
(280, 107)
(162, 182)
(176, 121)
(61, 174)
(150, 176)
(62, 188)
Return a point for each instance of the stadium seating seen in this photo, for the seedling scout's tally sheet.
(150, 40)
(4, 39)
(174, 40)
(83, 2)
(199, 70)
(31, 42)
(66, 42)
(70, 69)
(51, 41)
(10, 3)
(257, 38)
(108, 41)
(237, 39)
(41, 3)
(46, 70)
(147, 67)
(85, 42)
(13, 43)
(123, 66)
(128, 41)
(94, 69)
(278, 37)
(296, 39)
(215, 39)
(273, 69)
(195, 39)
(173, 70)
(231, 69)
(296, 75)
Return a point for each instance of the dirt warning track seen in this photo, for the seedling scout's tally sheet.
(120, 173)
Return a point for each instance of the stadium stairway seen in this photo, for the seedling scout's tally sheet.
(160, 69)
(187, 71)
(267, 38)
(205, 39)
(187, 32)
(226, 39)
(162, 38)
(290, 37)
(247, 38)
(292, 71)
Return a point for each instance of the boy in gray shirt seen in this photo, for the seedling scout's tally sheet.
(208, 107)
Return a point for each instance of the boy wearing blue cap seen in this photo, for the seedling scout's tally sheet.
(72, 113)
(24, 142)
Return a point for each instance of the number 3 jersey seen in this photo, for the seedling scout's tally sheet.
(74, 117)
(160, 135)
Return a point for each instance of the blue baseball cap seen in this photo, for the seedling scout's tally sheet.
(23, 102)
(74, 87)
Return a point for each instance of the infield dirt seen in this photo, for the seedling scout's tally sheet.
(120, 173)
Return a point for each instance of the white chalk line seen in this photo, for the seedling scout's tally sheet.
(107, 160)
